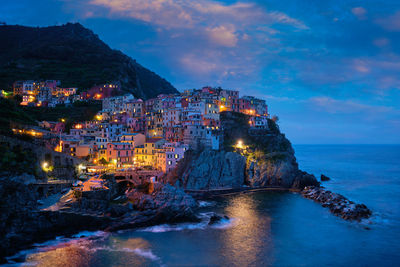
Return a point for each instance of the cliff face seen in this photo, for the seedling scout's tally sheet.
(75, 56)
(267, 159)
(211, 169)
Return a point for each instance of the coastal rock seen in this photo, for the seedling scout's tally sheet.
(324, 178)
(273, 169)
(22, 223)
(211, 169)
(338, 204)
(215, 218)
(24, 178)
(167, 202)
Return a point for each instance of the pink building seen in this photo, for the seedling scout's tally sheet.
(120, 153)
(136, 124)
(174, 133)
(59, 127)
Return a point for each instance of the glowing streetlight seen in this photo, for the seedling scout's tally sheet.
(46, 166)
(239, 144)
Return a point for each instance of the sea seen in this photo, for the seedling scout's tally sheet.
(263, 229)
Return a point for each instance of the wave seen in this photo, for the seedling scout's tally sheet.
(84, 234)
(145, 253)
(205, 218)
(81, 240)
(225, 223)
(171, 227)
(378, 219)
(203, 203)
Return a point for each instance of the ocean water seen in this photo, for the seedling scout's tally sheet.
(264, 229)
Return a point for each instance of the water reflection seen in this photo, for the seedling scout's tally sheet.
(107, 251)
(248, 242)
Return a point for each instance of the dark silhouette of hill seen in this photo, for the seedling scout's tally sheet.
(76, 56)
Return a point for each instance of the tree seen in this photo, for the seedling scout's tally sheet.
(103, 161)
(17, 99)
(275, 118)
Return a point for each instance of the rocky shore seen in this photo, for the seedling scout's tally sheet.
(337, 204)
(24, 222)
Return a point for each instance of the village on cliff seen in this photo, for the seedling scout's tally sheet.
(143, 139)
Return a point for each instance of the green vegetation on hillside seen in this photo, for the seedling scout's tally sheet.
(11, 113)
(17, 160)
(75, 56)
(78, 112)
(236, 127)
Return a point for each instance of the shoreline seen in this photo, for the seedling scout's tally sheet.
(200, 194)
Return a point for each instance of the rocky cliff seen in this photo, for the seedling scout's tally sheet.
(266, 159)
(210, 169)
(75, 56)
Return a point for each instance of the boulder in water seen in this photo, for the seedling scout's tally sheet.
(215, 218)
(324, 178)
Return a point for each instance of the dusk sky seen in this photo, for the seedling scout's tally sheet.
(329, 69)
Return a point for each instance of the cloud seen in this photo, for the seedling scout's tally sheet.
(223, 40)
(190, 14)
(381, 42)
(390, 23)
(359, 12)
(223, 35)
(335, 106)
(193, 63)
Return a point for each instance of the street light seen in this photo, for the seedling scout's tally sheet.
(239, 144)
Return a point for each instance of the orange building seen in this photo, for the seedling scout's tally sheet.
(119, 153)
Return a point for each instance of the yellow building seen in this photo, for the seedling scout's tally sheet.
(145, 155)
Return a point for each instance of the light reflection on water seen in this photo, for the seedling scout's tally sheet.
(243, 243)
(107, 251)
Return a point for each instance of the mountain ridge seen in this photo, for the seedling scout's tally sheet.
(74, 55)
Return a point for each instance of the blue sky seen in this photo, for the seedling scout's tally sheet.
(329, 69)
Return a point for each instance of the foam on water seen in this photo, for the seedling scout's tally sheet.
(205, 216)
(225, 223)
(170, 227)
(145, 253)
(81, 240)
(203, 203)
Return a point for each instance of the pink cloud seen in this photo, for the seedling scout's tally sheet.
(359, 12)
(223, 35)
(335, 106)
(381, 42)
(390, 23)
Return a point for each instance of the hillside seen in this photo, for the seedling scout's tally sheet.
(75, 56)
